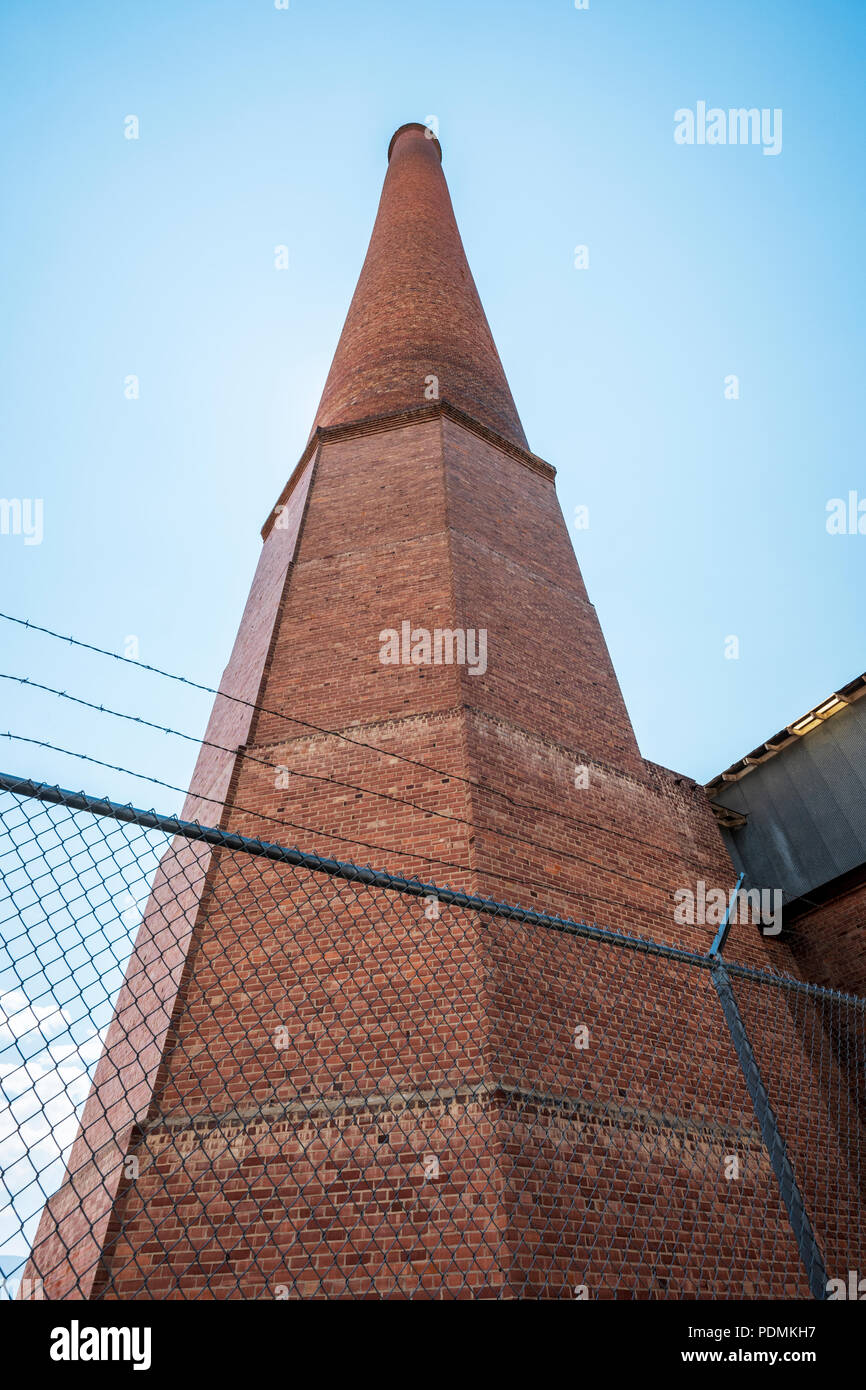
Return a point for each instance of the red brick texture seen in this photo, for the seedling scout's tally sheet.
(301, 1167)
(829, 942)
(377, 1005)
(416, 312)
(74, 1223)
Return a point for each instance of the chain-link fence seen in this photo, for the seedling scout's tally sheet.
(234, 1070)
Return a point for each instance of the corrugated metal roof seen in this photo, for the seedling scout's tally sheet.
(785, 738)
(805, 807)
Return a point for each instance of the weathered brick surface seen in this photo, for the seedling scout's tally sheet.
(416, 312)
(829, 942)
(300, 1166)
(73, 1226)
(378, 1005)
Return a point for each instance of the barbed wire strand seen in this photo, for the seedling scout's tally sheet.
(475, 783)
(333, 781)
(309, 830)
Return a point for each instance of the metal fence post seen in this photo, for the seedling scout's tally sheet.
(775, 1144)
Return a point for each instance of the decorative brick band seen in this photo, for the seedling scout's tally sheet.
(500, 1093)
(374, 424)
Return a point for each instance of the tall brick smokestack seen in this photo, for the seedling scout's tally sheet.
(525, 784)
(416, 313)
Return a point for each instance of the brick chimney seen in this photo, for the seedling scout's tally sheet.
(416, 507)
(415, 324)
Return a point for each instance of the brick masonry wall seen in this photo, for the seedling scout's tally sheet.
(829, 943)
(300, 1166)
(378, 1014)
(73, 1226)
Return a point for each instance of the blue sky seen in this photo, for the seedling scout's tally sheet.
(261, 127)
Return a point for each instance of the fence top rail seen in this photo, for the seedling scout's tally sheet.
(26, 788)
(783, 981)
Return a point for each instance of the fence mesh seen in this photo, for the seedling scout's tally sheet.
(234, 1071)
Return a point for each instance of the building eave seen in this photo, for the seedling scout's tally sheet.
(800, 728)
